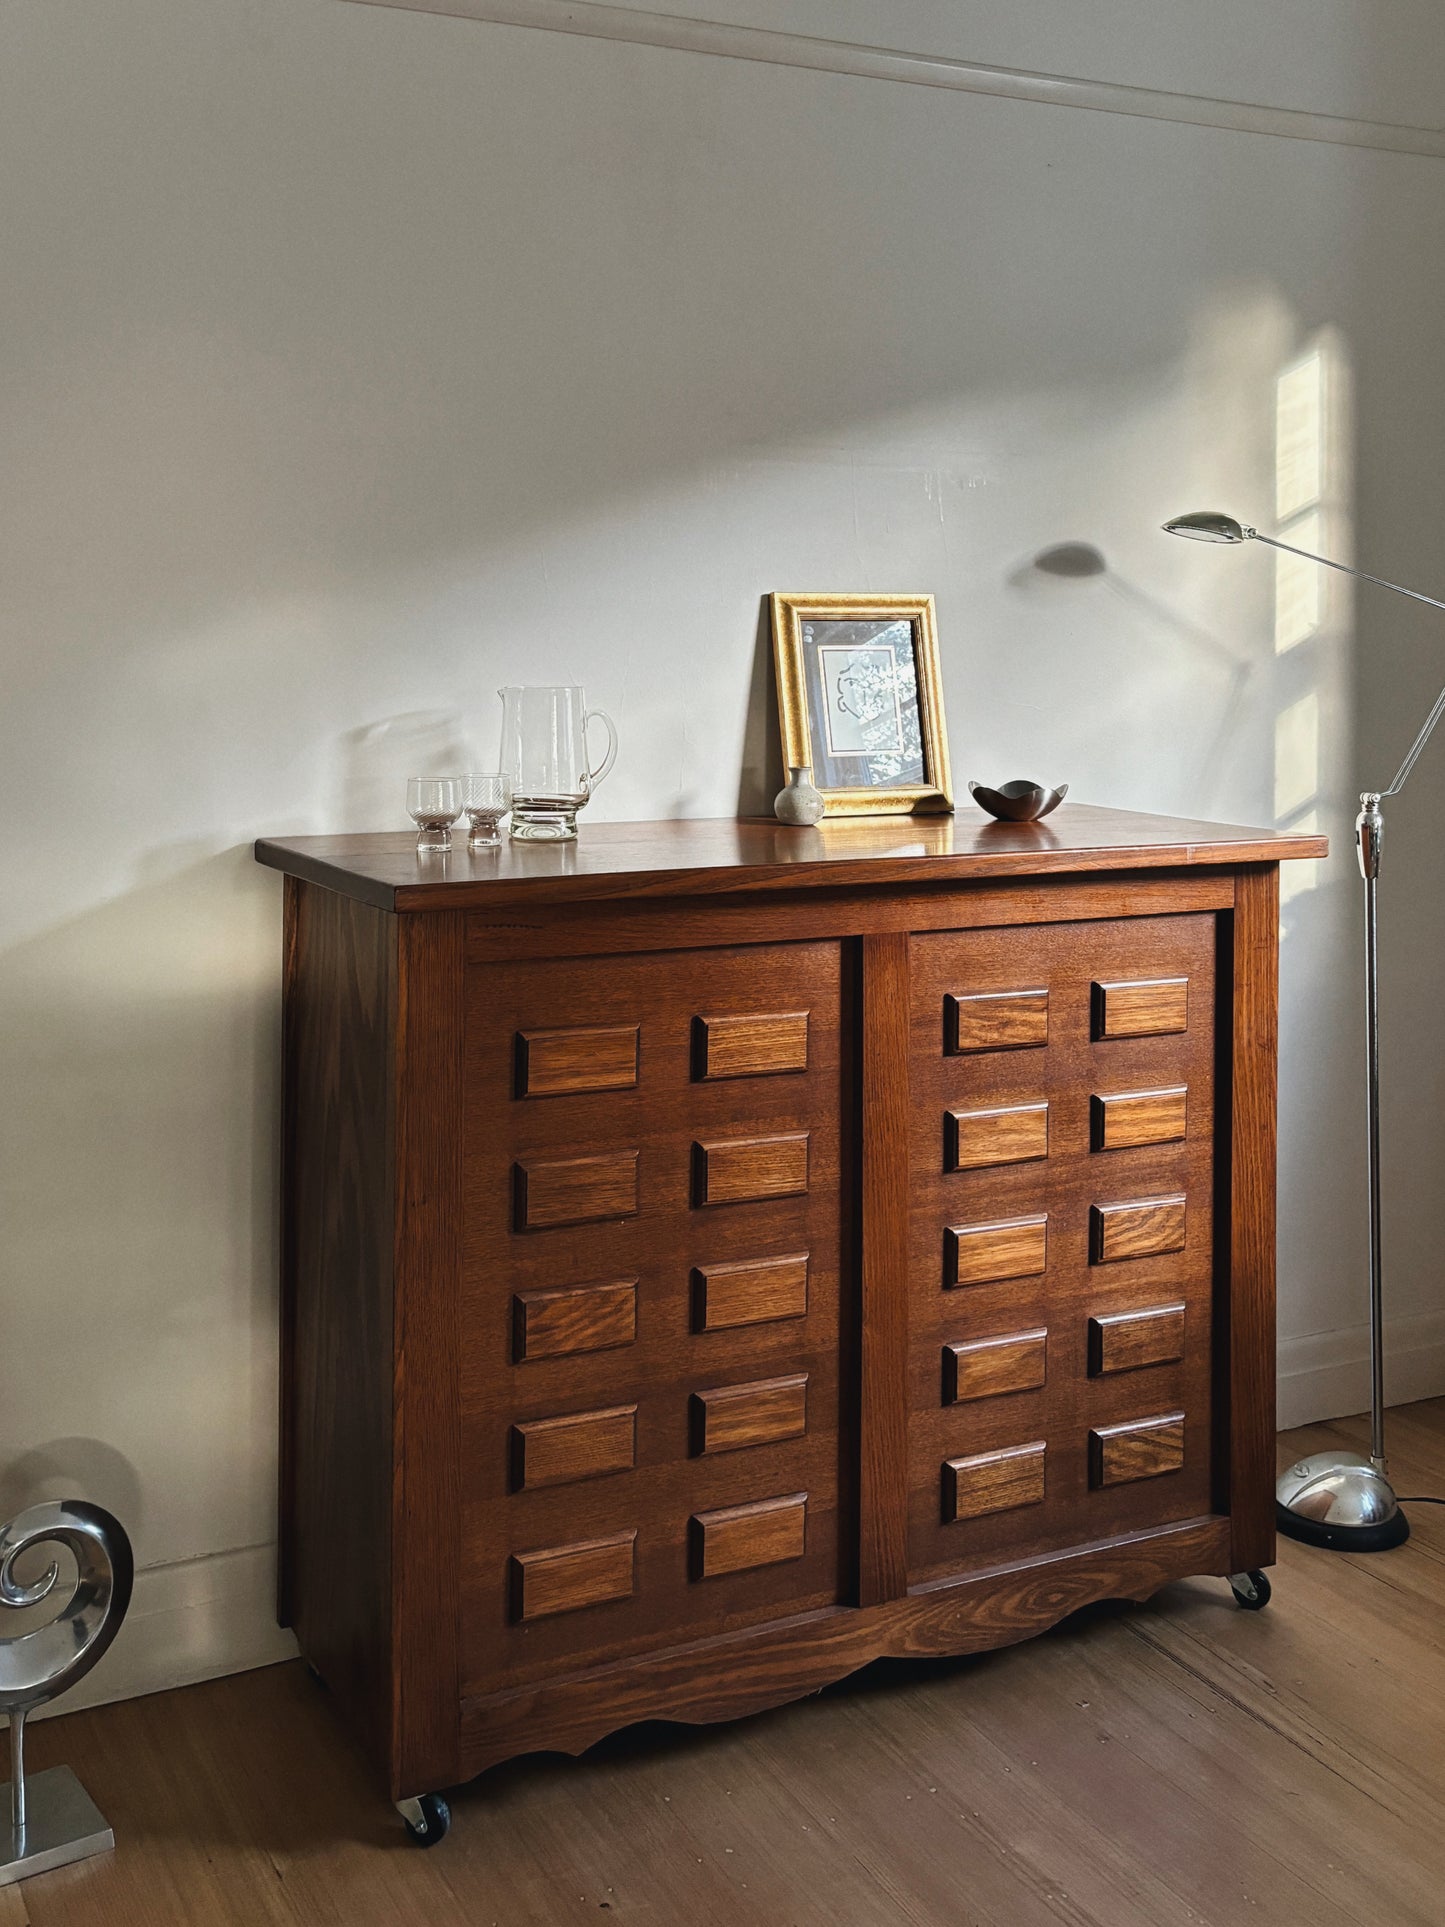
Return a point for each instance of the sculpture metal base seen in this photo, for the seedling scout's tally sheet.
(1340, 1501)
(62, 1824)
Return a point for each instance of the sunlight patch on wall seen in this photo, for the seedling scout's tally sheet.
(1299, 471)
(1296, 757)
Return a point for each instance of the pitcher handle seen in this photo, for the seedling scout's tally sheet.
(595, 776)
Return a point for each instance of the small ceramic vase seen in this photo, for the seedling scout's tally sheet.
(799, 804)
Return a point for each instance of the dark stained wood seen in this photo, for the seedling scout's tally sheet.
(883, 1394)
(995, 1020)
(1141, 1448)
(560, 1191)
(564, 1579)
(509, 934)
(753, 1046)
(744, 1170)
(337, 1467)
(727, 1418)
(574, 1318)
(1126, 1119)
(756, 1292)
(1063, 1294)
(1008, 1134)
(427, 1483)
(580, 1445)
(1247, 1210)
(736, 1538)
(1141, 1228)
(690, 857)
(981, 1254)
(665, 1247)
(584, 1368)
(289, 1278)
(1127, 1341)
(738, 1674)
(553, 1063)
(1148, 1008)
(989, 1367)
(1000, 1481)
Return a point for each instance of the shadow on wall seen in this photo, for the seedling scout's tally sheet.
(138, 1176)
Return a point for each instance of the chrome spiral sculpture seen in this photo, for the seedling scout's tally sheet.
(57, 1822)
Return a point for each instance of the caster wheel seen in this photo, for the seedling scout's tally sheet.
(1251, 1591)
(427, 1819)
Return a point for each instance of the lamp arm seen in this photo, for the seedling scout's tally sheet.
(1402, 774)
(1345, 569)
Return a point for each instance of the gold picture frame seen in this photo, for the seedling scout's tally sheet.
(844, 710)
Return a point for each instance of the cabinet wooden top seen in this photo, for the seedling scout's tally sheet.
(692, 857)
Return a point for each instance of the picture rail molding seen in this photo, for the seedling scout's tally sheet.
(643, 28)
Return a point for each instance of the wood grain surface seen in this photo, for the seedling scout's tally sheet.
(694, 857)
(735, 1538)
(1140, 1448)
(727, 1418)
(1123, 1119)
(760, 1045)
(1127, 1341)
(989, 1367)
(998, 1481)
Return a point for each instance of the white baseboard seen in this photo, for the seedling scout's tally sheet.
(194, 1620)
(201, 1618)
(1327, 1375)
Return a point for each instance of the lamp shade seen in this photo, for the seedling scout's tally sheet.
(1207, 525)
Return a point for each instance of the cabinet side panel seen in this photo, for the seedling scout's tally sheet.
(337, 1297)
(1249, 1307)
(430, 1135)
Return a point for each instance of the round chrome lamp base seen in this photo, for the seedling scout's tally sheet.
(1341, 1501)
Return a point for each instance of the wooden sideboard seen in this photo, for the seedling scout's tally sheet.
(715, 1255)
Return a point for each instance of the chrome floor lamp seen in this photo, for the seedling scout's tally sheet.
(1343, 1500)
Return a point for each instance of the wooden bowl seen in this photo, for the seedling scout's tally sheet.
(1019, 802)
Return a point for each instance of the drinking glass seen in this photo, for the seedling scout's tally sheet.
(486, 798)
(544, 752)
(434, 804)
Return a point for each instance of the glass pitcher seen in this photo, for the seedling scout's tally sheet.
(544, 751)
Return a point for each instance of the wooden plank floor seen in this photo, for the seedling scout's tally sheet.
(1181, 1764)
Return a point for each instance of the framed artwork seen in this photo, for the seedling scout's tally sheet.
(860, 701)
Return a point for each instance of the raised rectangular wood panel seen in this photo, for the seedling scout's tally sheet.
(556, 1063)
(1007, 1134)
(746, 1170)
(1127, 1341)
(1141, 1448)
(737, 1538)
(574, 1318)
(1152, 1007)
(977, 1254)
(754, 1046)
(1125, 1120)
(994, 1481)
(559, 1191)
(755, 1292)
(579, 1445)
(990, 1367)
(727, 1418)
(995, 1020)
(1141, 1229)
(563, 1579)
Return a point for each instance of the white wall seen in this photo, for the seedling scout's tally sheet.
(357, 360)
